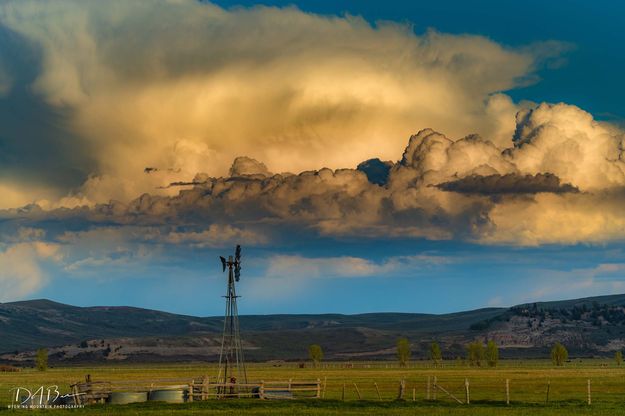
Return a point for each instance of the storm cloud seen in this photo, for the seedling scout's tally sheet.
(440, 189)
(186, 86)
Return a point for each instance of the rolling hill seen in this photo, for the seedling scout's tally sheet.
(589, 326)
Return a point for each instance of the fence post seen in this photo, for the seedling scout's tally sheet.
(343, 394)
(589, 399)
(548, 388)
(325, 383)
(205, 382)
(261, 390)
(414, 394)
(427, 390)
(88, 389)
(466, 390)
(77, 398)
(318, 396)
(434, 389)
(402, 388)
(507, 392)
(377, 390)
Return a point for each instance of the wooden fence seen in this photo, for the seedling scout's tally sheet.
(89, 392)
(460, 390)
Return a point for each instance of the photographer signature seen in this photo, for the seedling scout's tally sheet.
(50, 393)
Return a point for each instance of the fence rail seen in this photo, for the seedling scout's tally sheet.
(89, 392)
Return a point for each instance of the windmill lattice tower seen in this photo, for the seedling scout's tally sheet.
(231, 359)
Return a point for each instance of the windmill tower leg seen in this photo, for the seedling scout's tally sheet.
(231, 361)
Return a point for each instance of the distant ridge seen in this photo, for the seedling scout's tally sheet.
(591, 326)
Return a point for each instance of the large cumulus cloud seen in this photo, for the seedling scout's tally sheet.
(185, 87)
(526, 194)
(440, 188)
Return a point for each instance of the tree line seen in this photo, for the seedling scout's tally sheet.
(477, 354)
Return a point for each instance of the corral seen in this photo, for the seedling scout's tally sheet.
(179, 390)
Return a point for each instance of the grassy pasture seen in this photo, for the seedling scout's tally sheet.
(529, 382)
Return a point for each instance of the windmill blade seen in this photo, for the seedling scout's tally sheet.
(237, 267)
(223, 263)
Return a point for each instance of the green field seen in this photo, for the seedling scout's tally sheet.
(529, 382)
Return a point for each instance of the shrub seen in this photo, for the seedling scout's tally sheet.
(403, 351)
(315, 353)
(435, 353)
(41, 360)
(475, 353)
(559, 354)
(492, 354)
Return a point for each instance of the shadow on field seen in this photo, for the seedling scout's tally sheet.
(335, 407)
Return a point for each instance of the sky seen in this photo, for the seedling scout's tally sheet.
(368, 156)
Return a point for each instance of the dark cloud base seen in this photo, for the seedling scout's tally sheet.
(511, 183)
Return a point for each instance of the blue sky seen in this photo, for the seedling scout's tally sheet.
(140, 142)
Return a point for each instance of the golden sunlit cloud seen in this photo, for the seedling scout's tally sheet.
(174, 91)
(185, 87)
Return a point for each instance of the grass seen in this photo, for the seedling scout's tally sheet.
(332, 407)
(528, 389)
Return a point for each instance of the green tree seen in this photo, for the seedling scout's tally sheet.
(492, 354)
(41, 360)
(315, 353)
(475, 353)
(559, 354)
(403, 351)
(618, 357)
(435, 353)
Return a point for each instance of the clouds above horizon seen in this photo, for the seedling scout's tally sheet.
(129, 138)
(136, 88)
(21, 267)
(562, 182)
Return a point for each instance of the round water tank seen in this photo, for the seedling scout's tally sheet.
(125, 397)
(169, 396)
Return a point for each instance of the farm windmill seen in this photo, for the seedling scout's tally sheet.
(231, 360)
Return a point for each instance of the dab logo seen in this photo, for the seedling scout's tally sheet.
(41, 397)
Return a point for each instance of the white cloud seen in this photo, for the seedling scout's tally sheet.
(288, 275)
(20, 268)
(295, 266)
(216, 235)
(566, 141)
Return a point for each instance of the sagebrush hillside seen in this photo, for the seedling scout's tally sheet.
(589, 326)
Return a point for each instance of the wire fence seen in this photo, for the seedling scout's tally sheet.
(464, 390)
